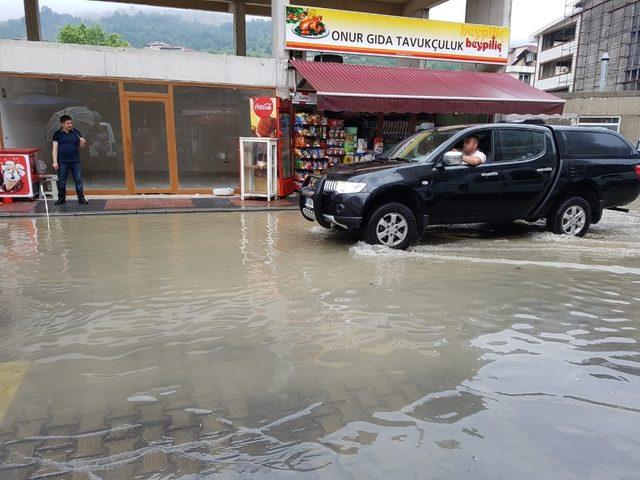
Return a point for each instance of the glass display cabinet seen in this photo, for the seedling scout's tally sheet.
(258, 167)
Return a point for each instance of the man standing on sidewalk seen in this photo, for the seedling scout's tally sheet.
(67, 143)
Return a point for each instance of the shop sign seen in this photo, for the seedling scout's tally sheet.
(330, 30)
(300, 98)
(264, 121)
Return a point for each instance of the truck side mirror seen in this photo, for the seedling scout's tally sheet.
(452, 158)
(638, 146)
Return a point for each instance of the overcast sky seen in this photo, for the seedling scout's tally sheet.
(527, 16)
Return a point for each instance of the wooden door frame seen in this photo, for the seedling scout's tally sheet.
(129, 172)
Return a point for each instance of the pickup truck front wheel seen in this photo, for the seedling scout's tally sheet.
(393, 225)
(572, 216)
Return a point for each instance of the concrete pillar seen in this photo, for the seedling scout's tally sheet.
(32, 20)
(488, 12)
(239, 8)
(278, 25)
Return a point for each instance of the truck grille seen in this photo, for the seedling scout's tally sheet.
(330, 185)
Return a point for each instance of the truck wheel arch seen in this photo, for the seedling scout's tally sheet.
(395, 194)
(590, 192)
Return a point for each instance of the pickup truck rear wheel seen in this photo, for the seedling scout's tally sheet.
(572, 216)
(393, 225)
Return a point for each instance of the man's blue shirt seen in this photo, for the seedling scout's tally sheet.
(68, 145)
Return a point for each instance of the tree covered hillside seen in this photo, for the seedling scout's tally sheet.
(141, 28)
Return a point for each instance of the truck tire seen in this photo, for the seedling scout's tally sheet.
(572, 216)
(393, 225)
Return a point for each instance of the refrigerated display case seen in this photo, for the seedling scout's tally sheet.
(258, 167)
(285, 160)
(271, 119)
(19, 177)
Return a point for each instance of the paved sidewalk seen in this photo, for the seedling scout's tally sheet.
(146, 204)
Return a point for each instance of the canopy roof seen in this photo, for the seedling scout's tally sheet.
(359, 88)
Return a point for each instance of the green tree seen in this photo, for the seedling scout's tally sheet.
(90, 35)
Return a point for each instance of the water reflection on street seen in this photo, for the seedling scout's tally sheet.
(232, 345)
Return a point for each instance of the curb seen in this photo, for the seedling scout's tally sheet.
(148, 211)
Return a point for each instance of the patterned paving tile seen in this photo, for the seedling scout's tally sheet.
(144, 203)
(212, 202)
(18, 206)
(72, 206)
(132, 205)
(280, 202)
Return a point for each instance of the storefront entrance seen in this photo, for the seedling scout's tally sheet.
(142, 137)
(150, 160)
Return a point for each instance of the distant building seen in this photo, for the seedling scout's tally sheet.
(521, 63)
(557, 49)
(166, 46)
(611, 26)
(570, 56)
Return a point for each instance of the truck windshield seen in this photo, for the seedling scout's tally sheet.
(419, 146)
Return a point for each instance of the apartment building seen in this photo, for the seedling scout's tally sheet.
(557, 50)
(594, 38)
(521, 63)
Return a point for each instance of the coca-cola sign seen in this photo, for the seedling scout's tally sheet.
(263, 107)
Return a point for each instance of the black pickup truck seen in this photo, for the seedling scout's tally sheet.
(566, 175)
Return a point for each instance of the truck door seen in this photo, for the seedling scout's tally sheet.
(464, 193)
(527, 162)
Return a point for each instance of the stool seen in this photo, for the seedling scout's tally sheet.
(49, 185)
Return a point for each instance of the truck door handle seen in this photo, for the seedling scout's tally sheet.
(489, 174)
(545, 169)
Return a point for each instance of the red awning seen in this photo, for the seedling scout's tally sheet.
(359, 88)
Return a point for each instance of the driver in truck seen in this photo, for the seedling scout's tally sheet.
(470, 153)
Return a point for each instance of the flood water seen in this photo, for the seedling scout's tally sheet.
(257, 345)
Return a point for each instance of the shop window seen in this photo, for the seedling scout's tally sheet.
(29, 109)
(610, 123)
(208, 123)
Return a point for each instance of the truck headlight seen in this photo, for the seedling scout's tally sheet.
(349, 187)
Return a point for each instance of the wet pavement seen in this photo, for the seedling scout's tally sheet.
(237, 345)
(134, 204)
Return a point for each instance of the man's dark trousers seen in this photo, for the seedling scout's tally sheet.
(76, 172)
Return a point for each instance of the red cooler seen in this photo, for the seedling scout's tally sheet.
(285, 161)
(18, 173)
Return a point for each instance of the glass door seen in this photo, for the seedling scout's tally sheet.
(258, 168)
(149, 157)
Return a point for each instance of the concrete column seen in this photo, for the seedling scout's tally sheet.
(32, 20)
(278, 26)
(488, 12)
(239, 8)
